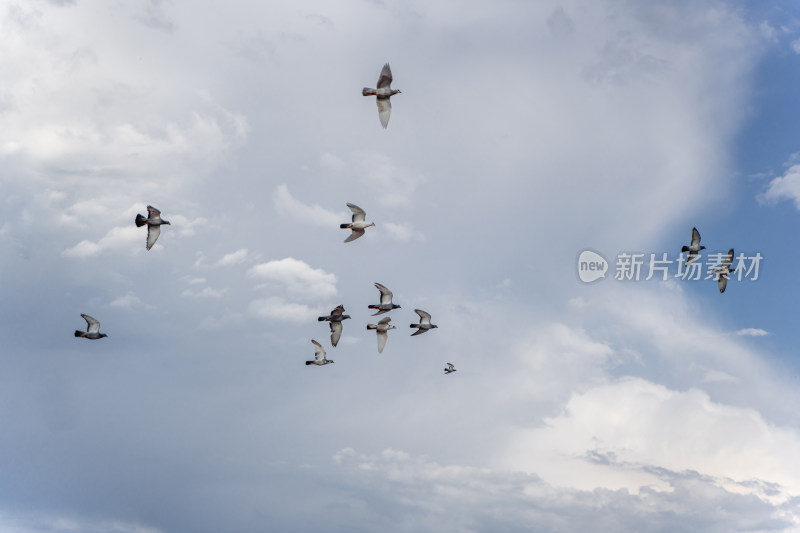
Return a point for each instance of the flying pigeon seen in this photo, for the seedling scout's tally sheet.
(424, 322)
(723, 270)
(358, 225)
(92, 329)
(386, 304)
(335, 318)
(694, 247)
(449, 368)
(381, 329)
(383, 93)
(319, 355)
(153, 222)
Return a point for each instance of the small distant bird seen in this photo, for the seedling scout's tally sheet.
(335, 318)
(449, 368)
(694, 247)
(153, 222)
(424, 322)
(386, 304)
(358, 225)
(319, 355)
(383, 93)
(723, 270)
(92, 329)
(381, 329)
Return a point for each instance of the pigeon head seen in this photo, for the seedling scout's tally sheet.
(345, 316)
(702, 248)
(166, 222)
(103, 335)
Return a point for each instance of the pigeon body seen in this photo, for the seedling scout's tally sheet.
(723, 270)
(386, 304)
(92, 329)
(358, 224)
(335, 319)
(694, 247)
(383, 93)
(381, 329)
(154, 223)
(449, 368)
(319, 355)
(424, 322)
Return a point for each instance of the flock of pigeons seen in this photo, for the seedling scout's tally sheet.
(357, 226)
(722, 271)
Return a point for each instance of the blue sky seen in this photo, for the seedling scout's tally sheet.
(524, 134)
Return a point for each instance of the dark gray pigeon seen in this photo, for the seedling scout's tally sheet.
(449, 368)
(154, 223)
(694, 247)
(424, 322)
(335, 319)
(723, 270)
(92, 329)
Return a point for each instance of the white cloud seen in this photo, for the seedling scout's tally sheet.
(129, 301)
(288, 206)
(297, 278)
(206, 292)
(786, 187)
(276, 308)
(753, 332)
(401, 232)
(233, 258)
(118, 238)
(391, 183)
(455, 498)
(641, 422)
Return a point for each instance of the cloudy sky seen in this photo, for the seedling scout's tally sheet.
(526, 133)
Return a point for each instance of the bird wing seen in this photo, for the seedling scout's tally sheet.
(384, 110)
(726, 263)
(385, 79)
(338, 311)
(153, 214)
(358, 214)
(319, 351)
(386, 294)
(450, 366)
(152, 235)
(385, 320)
(695, 238)
(336, 333)
(382, 338)
(424, 317)
(355, 234)
(722, 281)
(92, 325)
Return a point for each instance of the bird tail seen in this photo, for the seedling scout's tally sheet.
(368, 92)
(79, 333)
(140, 221)
(414, 325)
(372, 326)
(309, 362)
(320, 319)
(344, 226)
(684, 249)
